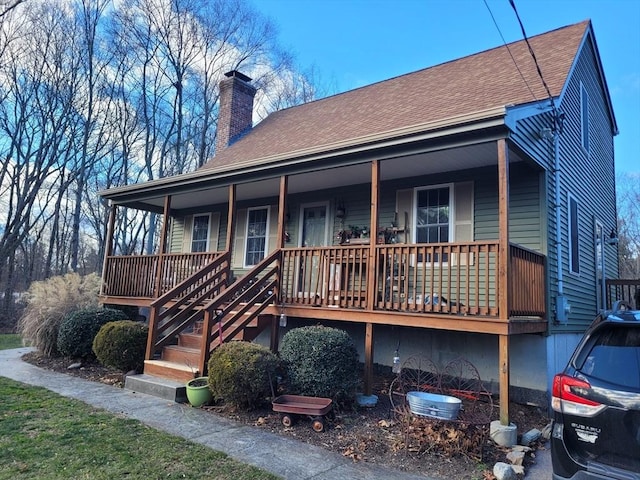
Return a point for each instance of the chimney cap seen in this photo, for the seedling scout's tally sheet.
(238, 75)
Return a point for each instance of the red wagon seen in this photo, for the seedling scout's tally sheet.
(290, 406)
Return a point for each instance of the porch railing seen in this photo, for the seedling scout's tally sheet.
(527, 282)
(456, 278)
(136, 275)
(627, 290)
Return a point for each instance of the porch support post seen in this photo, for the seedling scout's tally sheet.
(368, 359)
(503, 273)
(373, 236)
(282, 206)
(504, 379)
(231, 226)
(231, 217)
(108, 247)
(162, 246)
(371, 276)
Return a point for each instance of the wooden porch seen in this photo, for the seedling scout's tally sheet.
(424, 285)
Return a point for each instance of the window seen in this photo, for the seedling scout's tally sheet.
(433, 215)
(433, 211)
(200, 233)
(257, 228)
(574, 254)
(584, 116)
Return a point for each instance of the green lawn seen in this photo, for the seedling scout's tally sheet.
(10, 341)
(46, 436)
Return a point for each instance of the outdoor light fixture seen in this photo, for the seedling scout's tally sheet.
(613, 237)
(283, 317)
(546, 133)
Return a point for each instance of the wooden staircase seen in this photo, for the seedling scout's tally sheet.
(203, 312)
(179, 362)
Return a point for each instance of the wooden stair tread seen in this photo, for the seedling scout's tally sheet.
(182, 348)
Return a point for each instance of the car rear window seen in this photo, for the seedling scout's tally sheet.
(615, 356)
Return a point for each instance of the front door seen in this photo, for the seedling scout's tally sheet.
(314, 233)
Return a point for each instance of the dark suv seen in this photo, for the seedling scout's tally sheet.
(596, 402)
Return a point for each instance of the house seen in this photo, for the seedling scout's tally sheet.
(463, 209)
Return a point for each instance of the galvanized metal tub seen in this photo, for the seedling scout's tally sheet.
(434, 405)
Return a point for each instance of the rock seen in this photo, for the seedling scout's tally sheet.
(515, 457)
(546, 431)
(519, 469)
(503, 471)
(521, 448)
(74, 366)
(531, 436)
(503, 435)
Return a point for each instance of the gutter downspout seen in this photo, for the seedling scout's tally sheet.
(562, 306)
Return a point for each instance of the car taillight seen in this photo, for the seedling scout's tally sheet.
(569, 396)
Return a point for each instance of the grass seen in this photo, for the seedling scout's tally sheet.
(46, 436)
(11, 340)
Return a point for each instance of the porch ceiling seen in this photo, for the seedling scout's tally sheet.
(401, 166)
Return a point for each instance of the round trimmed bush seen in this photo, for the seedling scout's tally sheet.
(241, 373)
(79, 328)
(121, 345)
(321, 362)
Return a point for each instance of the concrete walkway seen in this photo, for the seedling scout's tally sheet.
(281, 456)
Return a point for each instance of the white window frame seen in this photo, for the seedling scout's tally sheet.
(193, 229)
(573, 248)
(246, 235)
(451, 223)
(584, 118)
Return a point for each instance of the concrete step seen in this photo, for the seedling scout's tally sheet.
(170, 370)
(158, 387)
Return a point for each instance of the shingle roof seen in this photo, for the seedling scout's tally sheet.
(467, 85)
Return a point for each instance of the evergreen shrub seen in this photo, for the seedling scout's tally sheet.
(121, 345)
(79, 328)
(321, 362)
(241, 374)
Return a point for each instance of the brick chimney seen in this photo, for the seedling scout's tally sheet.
(235, 116)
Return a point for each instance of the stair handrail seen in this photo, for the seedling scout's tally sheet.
(185, 295)
(247, 290)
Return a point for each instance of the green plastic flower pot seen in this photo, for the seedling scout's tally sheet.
(198, 392)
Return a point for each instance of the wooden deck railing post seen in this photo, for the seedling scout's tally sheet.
(153, 334)
(204, 347)
(108, 247)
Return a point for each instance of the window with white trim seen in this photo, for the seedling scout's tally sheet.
(256, 239)
(433, 214)
(574, 251)
(584, 116)
(200, 233)
(433, 218)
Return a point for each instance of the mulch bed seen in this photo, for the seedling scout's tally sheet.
(372, 434)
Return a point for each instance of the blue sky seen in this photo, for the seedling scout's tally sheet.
(352, 43)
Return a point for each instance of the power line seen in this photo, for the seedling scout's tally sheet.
(535, 61)
(509, 50)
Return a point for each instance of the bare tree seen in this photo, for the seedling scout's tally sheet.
(628, 191)
(36, 117)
